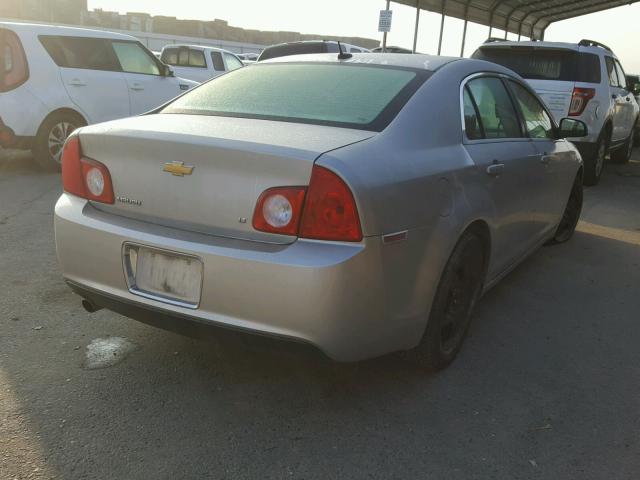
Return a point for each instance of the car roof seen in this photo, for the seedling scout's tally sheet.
(421, 61)
(199, 47)
(26, 28)
(576, 47)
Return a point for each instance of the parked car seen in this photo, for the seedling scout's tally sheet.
(59, 78)
(584, 81)
(392, 50)
(307, 47)
(633, 84)
(199, 63)
(364, 222)
(249, 57)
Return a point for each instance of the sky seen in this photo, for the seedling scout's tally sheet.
(618, 28)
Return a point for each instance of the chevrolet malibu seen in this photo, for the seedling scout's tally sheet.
(358, 203)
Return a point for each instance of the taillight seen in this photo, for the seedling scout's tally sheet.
(330, 211)
(326, 210)
(278, 210)
(14, 70)
(85, 177)
(579, 100)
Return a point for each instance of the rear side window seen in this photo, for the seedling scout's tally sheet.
(611, 71)
(498, 117)
(622, 77)
(232, 62)
(293, 49)
(472, 126)
(14, 69)
(81, 52)
(218, 63)
(170, 56)
(545, 64)
(196, 59)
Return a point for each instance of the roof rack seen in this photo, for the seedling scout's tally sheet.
(593, 43)
(494, 39)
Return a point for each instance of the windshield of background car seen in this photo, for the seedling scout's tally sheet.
(345, 95)
(545, 63)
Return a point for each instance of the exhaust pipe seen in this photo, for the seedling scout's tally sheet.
(89, 306)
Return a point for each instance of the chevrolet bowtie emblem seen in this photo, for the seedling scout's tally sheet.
(179, 169)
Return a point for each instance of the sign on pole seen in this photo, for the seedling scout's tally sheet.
(384, 24)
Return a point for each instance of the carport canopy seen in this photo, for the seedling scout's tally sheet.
(529, 18)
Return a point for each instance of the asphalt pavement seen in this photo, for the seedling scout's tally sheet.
(547, 385)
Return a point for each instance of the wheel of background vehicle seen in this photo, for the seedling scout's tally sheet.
(571, 215)
(593, 166)
(450, 317)
(623, 154)
(51, 137)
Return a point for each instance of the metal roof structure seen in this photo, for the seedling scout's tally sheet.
(528, 18)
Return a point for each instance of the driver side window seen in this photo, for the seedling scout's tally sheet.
(134, 59)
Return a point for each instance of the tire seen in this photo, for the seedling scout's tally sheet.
(623, 154)
(594, 166)
(459, 288)
(571, 215)
(50, 138)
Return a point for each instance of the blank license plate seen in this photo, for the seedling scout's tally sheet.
(174, 277)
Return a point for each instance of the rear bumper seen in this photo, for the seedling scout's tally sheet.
(331, 295)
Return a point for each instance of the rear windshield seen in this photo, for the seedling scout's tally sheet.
(294, 49)
(545, 64)
(353, 96)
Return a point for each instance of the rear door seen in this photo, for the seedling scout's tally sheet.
(148, 89)
(556, 159)
(618, 94)
(91, 75)
(508, 167)
(627, 104)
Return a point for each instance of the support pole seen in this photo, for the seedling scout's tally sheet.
(490, 29)
(384, 36)
(441, 29)
(464, 38)
(464, 31)
(415, 33)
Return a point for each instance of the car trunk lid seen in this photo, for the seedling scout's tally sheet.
(556, 94)
(205, 173)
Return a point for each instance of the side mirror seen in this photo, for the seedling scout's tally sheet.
(167, 72)
(572, 128)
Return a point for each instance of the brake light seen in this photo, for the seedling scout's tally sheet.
(279, 209)
(579, 100)
(85, 177)
(14, 69)
(326, 210)
(330, 211)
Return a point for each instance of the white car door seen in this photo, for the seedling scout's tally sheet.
(148, 87)
(618, 100)
(91, 76)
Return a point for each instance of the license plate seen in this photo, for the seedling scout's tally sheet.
(171, 277)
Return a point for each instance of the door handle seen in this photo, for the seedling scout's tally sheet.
(136, 86)
(495, 169)
(546, 159)
(76, 82)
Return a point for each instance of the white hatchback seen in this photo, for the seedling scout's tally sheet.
(56, 79)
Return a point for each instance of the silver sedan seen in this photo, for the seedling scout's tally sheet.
(361, 204)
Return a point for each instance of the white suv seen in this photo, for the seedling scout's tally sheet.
(55, 79)
(199, 63)
(584, 81)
